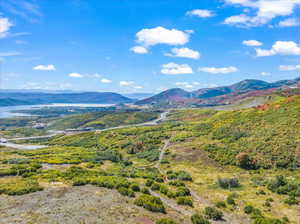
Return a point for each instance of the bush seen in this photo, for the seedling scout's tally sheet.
(230, 199)
(185, 201)
(221, 204)
(151, 203)
(149, 183)
(228, 183)
(135, 187)
(213, 213)
(155, 187)
(108, 154)
(126, 192)
(165, 221)
(248, 209)
(291, 200)
(244, 161)
(177, 183)
(145, 190)
(183, 191)
(199, 219)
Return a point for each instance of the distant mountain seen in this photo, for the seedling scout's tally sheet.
(138, 96)
(12, 102)
(168, 97)
(46, 98)
(213, 96)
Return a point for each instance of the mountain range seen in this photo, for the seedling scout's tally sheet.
(214, 96)
(170, 98)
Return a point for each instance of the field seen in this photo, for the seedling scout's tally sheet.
(199, 166)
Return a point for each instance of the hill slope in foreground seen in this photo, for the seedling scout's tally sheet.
(238, 166)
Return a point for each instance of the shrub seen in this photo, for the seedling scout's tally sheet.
(163, 189)
(135, 187)
(145, 190)
(183, 191)
(213, 213)
(185, 201)
(248, 209)
(126, 192)
(221, 204)
(199, 219)
(155, 187)
(228, 183)
(230, 200)
(244, 161)
(150, 203)
(109, 154)
(149, 183)
(185, 176)
(291, 200)
(177, 183)
(165, 221)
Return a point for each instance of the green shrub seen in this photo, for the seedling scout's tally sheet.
(185, 201)
(126, 192)
(150, 203)
(221, 204)
(248, 209)
(20, 187)
(183, 191)
(230, 200)
(135, 187)
(291, 200)
(165, 221)
(149, 183)
(177, 183)
(145, 190)
(199, 219)
(213, 213)
(228, 183)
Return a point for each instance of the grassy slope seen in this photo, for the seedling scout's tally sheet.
(103, 119)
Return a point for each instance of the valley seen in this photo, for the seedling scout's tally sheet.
(238, 164)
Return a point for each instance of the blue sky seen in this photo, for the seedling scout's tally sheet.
(145, 45)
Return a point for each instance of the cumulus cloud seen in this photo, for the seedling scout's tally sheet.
(75, 75)
(289, 67)
(202, 13)
(126, 83)
(252, 43)
(265, 73)
(44, 67)
(281, 48)
(139, 50)
(5, 25)
(290, 22)
(106, 81)
(161, 35)
(264, 11)
(184, 53)
(214, 70)
(176, 69)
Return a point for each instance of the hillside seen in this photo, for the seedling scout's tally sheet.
(214, 96)
(229, 167)
(85, 97)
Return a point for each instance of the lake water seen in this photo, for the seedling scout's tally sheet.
(7, 112)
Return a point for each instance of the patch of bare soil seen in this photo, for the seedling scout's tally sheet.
(72, 205)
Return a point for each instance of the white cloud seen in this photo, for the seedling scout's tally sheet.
(264, 11)
(126, 83)
(106, 81)
(289, 67)
(253, 43)
(202, 13)
(5, 25)
(139, 50)
(75, 75)
(44, 67)
(290, 22)
(10, 54)
(214, 70)
(184, 53)
(176, 69)
(161, 35)
(138, 87)
(265, 73)
(280, 47)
